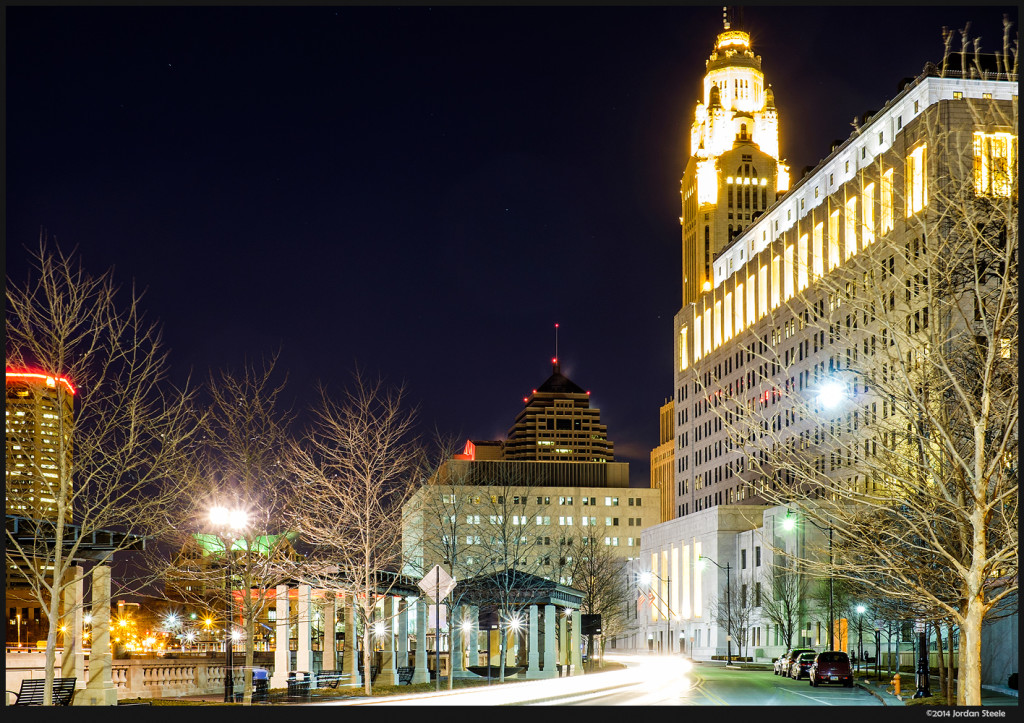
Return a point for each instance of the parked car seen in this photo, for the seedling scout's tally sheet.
(801, 664)
(781, 666)
(832, 666)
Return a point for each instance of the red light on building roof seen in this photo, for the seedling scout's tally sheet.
(588, 391)
(525, 400)
(51, 381)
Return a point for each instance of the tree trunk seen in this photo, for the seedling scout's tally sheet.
(969, 690)
(367, 673)
(941, 658)
(950, 688)
(249, 657)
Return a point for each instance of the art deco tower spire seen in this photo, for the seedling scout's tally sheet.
(734, 170)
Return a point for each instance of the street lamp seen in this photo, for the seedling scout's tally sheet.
(860, 636)
(728, 607)
(788, 523)
(830, 394)
(645, 579)
(228, 524)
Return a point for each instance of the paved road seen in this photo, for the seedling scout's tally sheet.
(707, 685)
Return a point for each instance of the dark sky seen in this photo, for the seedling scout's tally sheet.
(424, 191)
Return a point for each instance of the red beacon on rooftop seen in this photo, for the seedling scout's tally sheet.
(51, 381)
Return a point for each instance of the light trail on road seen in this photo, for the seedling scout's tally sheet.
(651, 678)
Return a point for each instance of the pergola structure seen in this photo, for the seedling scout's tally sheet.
(95, 546)
(547, 637)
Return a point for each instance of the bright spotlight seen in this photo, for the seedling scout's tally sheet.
(830, 394)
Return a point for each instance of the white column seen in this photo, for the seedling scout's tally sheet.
(73, 659)
(533, 648)
(563, 643)
(421, 674)
(403, 633)
(456, 654)
(386, 675)
(474, 636)
(282, 636)
(304, 608)
(349, 663)
(100, 689)
(330, 646)
(574, 644)
(550, 671)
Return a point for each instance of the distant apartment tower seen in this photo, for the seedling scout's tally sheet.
(38, 423)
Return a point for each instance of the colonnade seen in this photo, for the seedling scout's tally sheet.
(556, 646)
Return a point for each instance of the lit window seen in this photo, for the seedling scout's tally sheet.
(833, 240)
(727, 318)
(776, 272)
(787, 273)
(993, 157)
(718, 324)
(818, 251)
(739, 307)
(683, 355)
(916, 180)
(751, 314)
(801, 263)
(697, 337)
(851, 227)
(886, 201)
(707, 330)
(867, 211)
(762, 285)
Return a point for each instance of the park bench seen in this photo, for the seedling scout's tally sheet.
(373, 672)
(298, 686)
(330, 678)
(405, 675)
(31, 692)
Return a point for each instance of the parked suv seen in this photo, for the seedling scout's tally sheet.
(832, 666)
(800, 665)
(782, 664)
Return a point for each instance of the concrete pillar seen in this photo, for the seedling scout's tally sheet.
(282, 636)
(304, 608)
(420, 673)
(100, 690)
(511, 638)
(533, 647)
(576, 657)
(550, 625)
(457, 653)
(349, 664)
(403, 633)
(73, 658)
(474, 635)
(330, 646)
(387, 674)
(563, 642)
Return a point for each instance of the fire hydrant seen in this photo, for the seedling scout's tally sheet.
(896, 684)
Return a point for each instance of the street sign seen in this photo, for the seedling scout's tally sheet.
(436, 584)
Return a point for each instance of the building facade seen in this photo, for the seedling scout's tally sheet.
(772, 321)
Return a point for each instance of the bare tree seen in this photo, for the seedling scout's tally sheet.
(103, 426)
(785, 593)
(914, 467)
(355, 469)
(601, 575)
(733, 611)
(239, 466)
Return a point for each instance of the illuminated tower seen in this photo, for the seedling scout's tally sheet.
(734, 171)
(38, 423)
(558, 424)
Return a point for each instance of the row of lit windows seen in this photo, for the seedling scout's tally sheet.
(790, 272)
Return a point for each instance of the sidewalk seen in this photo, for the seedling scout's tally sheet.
(993, 695)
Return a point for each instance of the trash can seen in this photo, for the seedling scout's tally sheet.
(260, 686)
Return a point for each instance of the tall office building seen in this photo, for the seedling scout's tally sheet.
(734, 172)
(827, 287)
(558, 423)
(38, 423)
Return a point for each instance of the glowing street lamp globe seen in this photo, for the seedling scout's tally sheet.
(830, 394)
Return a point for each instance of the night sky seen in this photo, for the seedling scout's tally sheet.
(422, 191)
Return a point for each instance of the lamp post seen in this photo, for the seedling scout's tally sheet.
(860, 636)
(645, 579)
(878, 648)
(228, 523)
(728, 607)
(788, 524)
